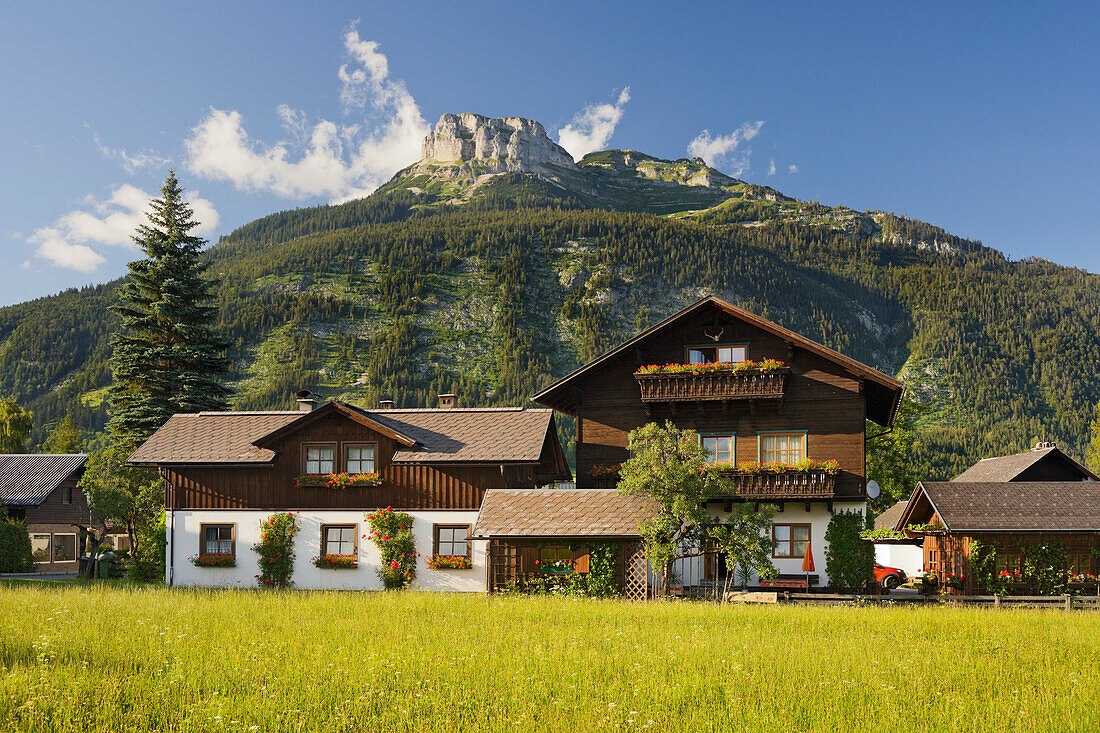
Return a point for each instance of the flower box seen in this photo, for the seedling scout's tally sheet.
(338, 480)
(337, 562)
(702, 382)
(214, 560)
(449, 562)
(805, 480)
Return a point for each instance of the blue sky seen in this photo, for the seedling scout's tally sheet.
(981, 119)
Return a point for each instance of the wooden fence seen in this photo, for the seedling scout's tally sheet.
(1064, 602)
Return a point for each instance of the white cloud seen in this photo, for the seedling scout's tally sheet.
(110, 222)
(771, 167)
(792, 168)
(724, 150)
(130, 163)
(332, 161)
(592, 127)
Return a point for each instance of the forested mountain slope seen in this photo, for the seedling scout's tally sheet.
(492, 290)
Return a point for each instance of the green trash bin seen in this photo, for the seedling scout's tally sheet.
(104, 564)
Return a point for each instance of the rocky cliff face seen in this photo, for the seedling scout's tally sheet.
(467, 146)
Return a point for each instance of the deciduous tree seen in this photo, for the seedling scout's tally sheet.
(121, 494)
(15, 425)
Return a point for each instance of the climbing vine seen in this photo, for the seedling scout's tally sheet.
(276, 550)
(391, 532)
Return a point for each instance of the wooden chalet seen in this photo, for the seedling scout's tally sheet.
(1007, 503)
(225, 471)
(783, 399)
(40, 489)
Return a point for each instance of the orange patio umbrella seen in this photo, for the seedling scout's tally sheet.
(808, 564)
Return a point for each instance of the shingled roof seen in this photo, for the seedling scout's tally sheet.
(476, 435)
(889, 518)
(1022, 506)
(473, 435)
(26, 479)
(1007, 468)
(560, 513)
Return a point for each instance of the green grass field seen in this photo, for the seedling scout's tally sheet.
(116, 658)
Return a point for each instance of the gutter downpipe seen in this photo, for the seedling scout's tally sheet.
(171, 533)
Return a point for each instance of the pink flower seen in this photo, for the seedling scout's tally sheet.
(394, 564)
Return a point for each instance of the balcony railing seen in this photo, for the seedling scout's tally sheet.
(748, 384)
(792, 484)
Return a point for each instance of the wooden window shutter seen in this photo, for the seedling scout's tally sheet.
(527, 558)
(580, 560)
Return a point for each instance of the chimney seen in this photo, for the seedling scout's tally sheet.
(385, 404)
(446, 401)
(1041, 445)
(307, 401)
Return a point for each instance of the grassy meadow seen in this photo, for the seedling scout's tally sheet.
(117, 658)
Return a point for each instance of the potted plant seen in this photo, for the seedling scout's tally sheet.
(214, 560)
(337, 562)
(449, 562)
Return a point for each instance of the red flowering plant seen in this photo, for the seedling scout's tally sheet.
(391, 532)
(600, 470)
(276, 550)
(449, 562)
(766, 365)
(951, 580)
(756, 467)
(214, 560)
(337, 562)
(338, 480)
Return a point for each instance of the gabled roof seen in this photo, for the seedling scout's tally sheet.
(889, 518)
(26, 479)
(883, 392)
(479, 435)
(1007, 468)
(362, 417)
(560, 513)
(1021, 506)
(469, 435)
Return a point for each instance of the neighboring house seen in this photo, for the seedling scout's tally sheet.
(1008, 503)
(903, 553)
(225, 472)
(40, 489)
(813, 407)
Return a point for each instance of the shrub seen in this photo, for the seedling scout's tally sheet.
(15, 548)
(391, 532)
(276, 550)
(148, 558)
(849, 561)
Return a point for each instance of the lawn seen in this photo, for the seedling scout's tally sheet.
(115, 658)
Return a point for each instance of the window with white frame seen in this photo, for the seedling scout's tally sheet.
(789, 448)
(64, 547)
(712, 354)
(719, 448)
(41, 547)
(360, 459)
(320, 458)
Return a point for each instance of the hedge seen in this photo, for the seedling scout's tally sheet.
(15, 548)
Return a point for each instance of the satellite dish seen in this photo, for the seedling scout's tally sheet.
(872, 489)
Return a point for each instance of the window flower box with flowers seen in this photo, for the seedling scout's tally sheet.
(338, 480)
(554, 567)
(214, 560)
(605, 476)
(805, 479)
(337, 562)
(449, 562)
(747, 380)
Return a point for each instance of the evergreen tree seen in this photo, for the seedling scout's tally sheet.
(65, 438)
(1092, 452)
(167, 358)
(15, 426)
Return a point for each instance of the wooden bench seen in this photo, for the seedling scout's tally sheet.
(790, 580)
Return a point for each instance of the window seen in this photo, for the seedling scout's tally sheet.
(719, 448)
(319, 458)
(782, 447)
(555, 553)
(338, 539)
(215, 538)
(67, 495)
(360, 459)
(791, 540)
(118, 541)
(40, 547)
(64, 547)
(451, 539)
(1078, 563)
(712, 354)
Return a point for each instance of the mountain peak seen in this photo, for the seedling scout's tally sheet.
(487, 145)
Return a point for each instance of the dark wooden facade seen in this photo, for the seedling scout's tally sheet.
(404, 486)
(820, 397)
(951, 552)
(512, 563)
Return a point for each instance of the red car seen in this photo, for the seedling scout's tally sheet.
(889, 577)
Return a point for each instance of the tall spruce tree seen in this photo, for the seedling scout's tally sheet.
(167, 358)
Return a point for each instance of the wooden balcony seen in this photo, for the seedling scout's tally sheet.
(794, 485)
(752, 384)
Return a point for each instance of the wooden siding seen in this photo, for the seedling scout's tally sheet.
(820, 398)
(512, 562)
(53, 512)
(950, 553)
(423, 486)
